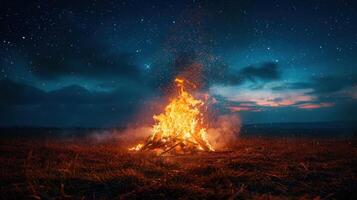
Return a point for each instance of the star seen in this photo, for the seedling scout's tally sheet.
(147, 66)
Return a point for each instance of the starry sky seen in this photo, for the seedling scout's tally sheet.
(103, 63)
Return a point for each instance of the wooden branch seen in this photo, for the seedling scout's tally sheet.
(171, 148)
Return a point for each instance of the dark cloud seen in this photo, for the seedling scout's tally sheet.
(322, 85)
(75, 94)
(221, 73)
(293, 85)
(22, 104)
(328, 84)
(13, 93)
(266, 72)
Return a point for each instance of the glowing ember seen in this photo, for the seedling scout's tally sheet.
(180, 128)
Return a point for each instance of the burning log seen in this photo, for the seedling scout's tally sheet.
(180, 128)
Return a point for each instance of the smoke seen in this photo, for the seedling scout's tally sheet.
(127, 137)
(222, 135)
(225, 131)
(135, 134)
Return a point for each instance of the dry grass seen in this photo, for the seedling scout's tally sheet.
(257, 168)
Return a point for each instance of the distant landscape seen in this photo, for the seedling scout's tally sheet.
(311, 129)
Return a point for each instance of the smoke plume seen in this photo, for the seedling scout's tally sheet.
(225, 132)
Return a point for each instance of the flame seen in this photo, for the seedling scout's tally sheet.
(137, 147)
(180, 126)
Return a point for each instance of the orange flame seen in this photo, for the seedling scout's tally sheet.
(181, 125)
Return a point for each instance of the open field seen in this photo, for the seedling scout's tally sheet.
(257, 168)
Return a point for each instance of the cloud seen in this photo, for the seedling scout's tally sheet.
(329, 91)
(262, 72)
(321, 85)
(244, 100)
(328, 84)
(292, 86)
(263, 97)
(349, 92)
(266, 72)
(74, 105)
(315, 105)
(13, 93)
(243, 108)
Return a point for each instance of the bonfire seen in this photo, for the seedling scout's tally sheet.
(180, 128)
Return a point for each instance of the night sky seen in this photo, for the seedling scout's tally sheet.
(101, 63)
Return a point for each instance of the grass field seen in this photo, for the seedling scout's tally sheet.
(258, 168)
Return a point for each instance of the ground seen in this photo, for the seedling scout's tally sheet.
(258, 168)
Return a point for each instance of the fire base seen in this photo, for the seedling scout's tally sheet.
(175, 146)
